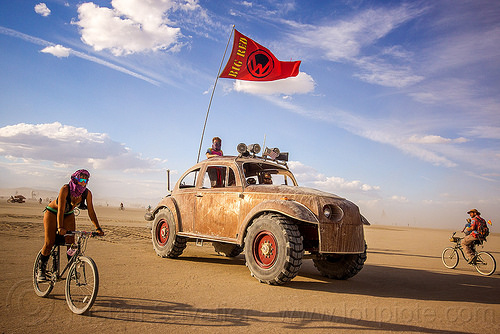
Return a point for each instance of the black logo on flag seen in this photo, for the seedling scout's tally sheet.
(260, 64)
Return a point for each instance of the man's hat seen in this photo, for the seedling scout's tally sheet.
(474, 210)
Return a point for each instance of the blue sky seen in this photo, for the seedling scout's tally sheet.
(396, 106)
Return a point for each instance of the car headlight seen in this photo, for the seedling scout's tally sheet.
(327, 211)
(333, 212)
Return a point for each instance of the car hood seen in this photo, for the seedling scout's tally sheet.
(289, 191)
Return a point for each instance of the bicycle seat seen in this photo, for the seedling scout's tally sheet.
(478, 242)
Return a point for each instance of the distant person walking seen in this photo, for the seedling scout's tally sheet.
(59, 216)
(215, 150)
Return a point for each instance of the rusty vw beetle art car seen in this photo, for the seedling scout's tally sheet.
(253, 204)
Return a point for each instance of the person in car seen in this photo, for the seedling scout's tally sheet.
(215, 150)
(267, 179)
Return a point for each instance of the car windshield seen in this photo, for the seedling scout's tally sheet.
(265, 174)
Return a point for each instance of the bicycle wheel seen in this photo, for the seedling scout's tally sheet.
(450, 257)
(485, 263)
(42, 289)
(82, 285)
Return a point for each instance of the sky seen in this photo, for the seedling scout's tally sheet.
(396, 106)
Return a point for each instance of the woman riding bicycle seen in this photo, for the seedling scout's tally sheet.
(59, 216)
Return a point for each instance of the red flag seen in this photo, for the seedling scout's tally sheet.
(252, 62)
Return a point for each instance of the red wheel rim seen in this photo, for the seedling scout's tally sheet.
(162, 233)
(265, 249)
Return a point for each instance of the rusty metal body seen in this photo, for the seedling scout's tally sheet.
(219, 198)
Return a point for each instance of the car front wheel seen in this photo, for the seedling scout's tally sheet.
(273, 249)
(163, 234)
(340, 266)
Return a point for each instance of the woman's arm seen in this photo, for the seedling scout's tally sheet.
(92, 214)
(61, 205)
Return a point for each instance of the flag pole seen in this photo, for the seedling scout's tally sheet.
(212, 96)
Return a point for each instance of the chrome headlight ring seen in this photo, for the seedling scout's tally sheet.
(333, 212)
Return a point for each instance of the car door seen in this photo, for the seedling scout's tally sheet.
(185, 197)
(218, 203)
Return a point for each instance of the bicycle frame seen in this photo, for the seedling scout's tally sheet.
(55, 253)
(458, 246)
(81, 289)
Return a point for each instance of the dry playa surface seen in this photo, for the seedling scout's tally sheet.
(402, 288)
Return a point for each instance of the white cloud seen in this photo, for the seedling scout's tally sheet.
(42, 9)
(44, 155)
(303, 83)
(389, 132)
(400, 199)
(66, 144)
(484, 131)
(310, 177)
(57, 50)
(346, 41)
(131, 26)
(432, 139)
(343, 40)
(39, 41)
(379, 72)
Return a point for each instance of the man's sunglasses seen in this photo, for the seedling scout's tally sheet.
(83, 180)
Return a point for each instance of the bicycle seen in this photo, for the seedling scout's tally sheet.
(82, 282)
(484, 262)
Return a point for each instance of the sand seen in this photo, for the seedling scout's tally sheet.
(403, 286)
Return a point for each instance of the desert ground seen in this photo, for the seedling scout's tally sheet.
(402, 288)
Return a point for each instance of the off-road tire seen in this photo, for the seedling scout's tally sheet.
(163, 235)
(228, 250)
(273, 249)
(340, 266)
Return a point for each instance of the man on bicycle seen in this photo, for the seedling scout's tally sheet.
(474, 235)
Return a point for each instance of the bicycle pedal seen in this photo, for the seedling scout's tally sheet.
(42, 280)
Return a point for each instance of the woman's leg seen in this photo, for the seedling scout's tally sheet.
(49, 224)
(69, 225)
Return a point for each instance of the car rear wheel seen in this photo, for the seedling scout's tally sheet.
(340, 266)
(163, 234)
(273, 249)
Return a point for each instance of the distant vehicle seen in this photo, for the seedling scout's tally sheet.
(16, 199)
(253, 204)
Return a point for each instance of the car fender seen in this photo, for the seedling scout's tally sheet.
(289, 208)
(167, 203)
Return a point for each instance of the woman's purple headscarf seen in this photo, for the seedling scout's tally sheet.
(75, 188)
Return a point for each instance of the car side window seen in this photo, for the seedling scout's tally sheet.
(215, 177)
(231, 179)
(189, 181)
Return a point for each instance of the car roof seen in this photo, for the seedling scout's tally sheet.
(241, 160)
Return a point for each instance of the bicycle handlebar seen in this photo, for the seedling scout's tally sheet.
(92, 234)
